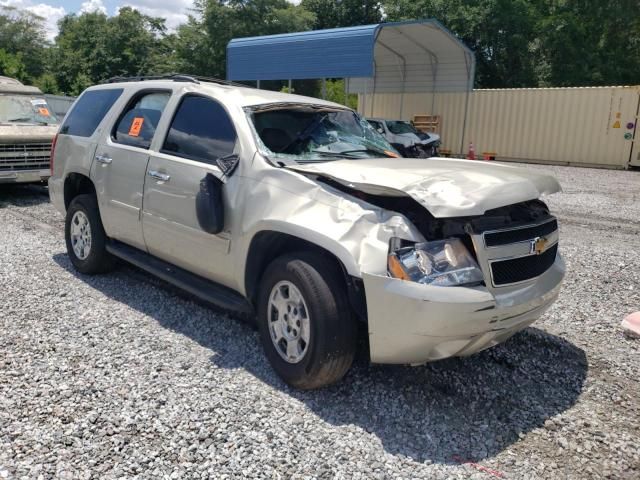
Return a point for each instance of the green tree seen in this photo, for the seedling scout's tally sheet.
(344, 13)
(202, 42)
(92, 47)
(530, 43)
(11, 65)
(23, 40)
(589, 42)
(47, 83)
(500, 32)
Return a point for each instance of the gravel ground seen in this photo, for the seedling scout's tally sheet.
(121, 376)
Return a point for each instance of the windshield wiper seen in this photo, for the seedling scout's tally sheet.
(348, 154)
(370, 150)
(27, 119)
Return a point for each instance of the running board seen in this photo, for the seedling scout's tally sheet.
(200, 287)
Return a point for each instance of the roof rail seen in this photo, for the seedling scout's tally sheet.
(176, 77)
(170, 76)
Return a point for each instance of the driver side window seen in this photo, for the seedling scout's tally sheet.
(201, 130)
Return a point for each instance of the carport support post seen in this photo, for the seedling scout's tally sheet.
(471, 73)
(346, 92)
(324, 88)
(258, 83)
(290, 86)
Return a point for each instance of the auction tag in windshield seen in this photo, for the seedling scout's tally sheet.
(136, 126)
(38, 101)
(44, 111)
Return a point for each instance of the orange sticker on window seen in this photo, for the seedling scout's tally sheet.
(136, 126)
(43, 111)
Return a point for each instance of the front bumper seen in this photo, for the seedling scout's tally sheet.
(411, 323)
(24, 176)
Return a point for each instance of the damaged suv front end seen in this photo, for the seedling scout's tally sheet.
(466, 292)
(463, 256)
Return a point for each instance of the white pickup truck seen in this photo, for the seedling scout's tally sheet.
(297, 210)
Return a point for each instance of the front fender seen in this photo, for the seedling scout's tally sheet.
(355, 232)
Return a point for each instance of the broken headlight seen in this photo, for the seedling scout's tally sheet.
(444, 263)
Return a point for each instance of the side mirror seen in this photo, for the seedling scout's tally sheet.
(209, 204)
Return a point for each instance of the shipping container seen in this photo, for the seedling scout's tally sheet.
(591, 126)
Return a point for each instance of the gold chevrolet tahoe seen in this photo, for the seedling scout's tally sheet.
(296, 210)
(27, 127)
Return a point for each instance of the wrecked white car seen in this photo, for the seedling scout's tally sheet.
(406, 138)
(296, 210)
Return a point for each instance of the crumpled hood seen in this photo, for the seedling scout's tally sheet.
(445, 187)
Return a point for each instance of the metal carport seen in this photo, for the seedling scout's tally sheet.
(419, 56)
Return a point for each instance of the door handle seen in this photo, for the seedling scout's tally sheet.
(163, 177)
(104, 159)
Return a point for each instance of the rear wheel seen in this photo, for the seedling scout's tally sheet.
(306, 326)
(85, 236)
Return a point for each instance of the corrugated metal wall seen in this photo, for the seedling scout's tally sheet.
(584, 126)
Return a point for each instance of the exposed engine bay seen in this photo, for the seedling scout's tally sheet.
(524, 213)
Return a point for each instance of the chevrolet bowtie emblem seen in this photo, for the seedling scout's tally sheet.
(538, 245)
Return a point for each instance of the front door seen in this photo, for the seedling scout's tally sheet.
(120, 165)
(200, 133)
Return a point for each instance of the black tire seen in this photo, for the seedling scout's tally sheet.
(333, 328)
(98, 259)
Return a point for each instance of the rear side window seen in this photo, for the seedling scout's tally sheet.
(89, 111)
(138, 123)
(201, 130)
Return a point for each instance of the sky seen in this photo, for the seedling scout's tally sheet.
(174, 11)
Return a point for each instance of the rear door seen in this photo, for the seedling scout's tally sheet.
(79, 133)
(200, 132)
(120, 165)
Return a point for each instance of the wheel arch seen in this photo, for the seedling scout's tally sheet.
(77, 184)
(267, 245)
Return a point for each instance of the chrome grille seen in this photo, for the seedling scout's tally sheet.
(511, 255)
(507, 272)
(505, 237)
(24, 156)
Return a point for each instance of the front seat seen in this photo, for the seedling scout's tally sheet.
(275, 139)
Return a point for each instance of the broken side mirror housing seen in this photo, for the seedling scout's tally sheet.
(228, 164)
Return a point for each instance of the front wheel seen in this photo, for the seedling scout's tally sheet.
(306, 327)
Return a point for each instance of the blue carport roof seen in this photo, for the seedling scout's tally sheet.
(418, 55)
(331, 53)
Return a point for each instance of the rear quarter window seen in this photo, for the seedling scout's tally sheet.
(89, 111)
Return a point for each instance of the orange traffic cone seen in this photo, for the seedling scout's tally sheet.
(472, 152)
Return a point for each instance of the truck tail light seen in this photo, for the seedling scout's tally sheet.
(53, 148)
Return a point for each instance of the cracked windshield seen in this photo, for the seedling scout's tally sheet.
(25, 109)
(308, 134)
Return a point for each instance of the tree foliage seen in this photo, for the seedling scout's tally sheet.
(517, 43)
(344, 13)
(93, 47)
(201, 43)
(530, 43)
(23, 43)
